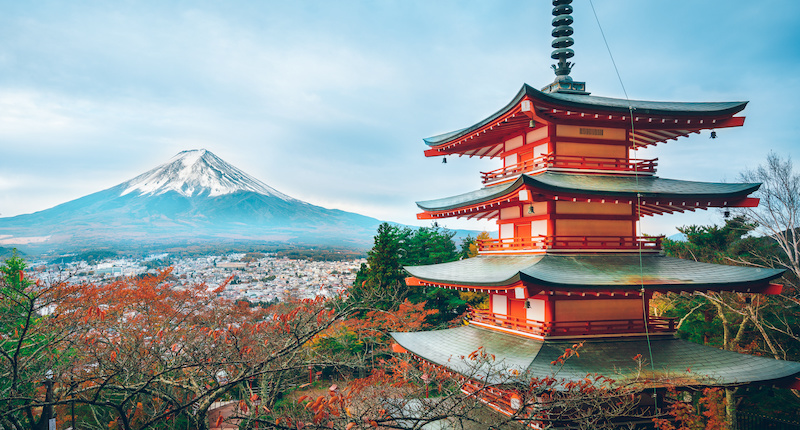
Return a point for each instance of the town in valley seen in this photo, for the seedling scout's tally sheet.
(252, 276)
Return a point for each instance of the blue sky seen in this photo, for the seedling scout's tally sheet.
(328, 101)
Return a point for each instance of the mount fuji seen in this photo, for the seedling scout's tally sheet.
(194, 198)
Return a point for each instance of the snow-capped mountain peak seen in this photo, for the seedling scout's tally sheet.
(198, 172)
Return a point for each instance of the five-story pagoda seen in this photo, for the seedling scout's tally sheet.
(569, 263)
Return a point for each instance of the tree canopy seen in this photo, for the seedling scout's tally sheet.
(381, 281)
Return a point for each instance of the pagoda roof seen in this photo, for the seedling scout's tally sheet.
(593, 272)
(675, 362)
(603, 186)
(672, 118)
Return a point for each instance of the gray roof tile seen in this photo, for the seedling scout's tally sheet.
(648, 187)
(600, 104)
(675, 361)
(599, 271)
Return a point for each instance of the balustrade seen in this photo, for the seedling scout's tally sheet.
(574, 328)
(571, 242)
(647, 166)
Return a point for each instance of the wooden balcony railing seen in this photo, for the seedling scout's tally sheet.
(571, 162)
(571, 242)
(498, 399)
(574, 328)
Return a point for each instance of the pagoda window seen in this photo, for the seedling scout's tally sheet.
(598, 310)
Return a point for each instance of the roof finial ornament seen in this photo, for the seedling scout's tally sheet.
(562, 23)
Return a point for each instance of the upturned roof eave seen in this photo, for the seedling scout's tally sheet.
(443, 138)
(598, 105)
(644, 107)
(509, 282)
(676, 362)
(656, 286)
(491, 193)
(500, 285)
(492, 273)
(746, 188)
(502, 272)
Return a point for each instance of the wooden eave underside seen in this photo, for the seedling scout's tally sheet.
(488, 140)
(539, 290)
(643, 130)
(768, 288)
(646, 206)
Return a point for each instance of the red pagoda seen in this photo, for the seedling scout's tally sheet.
(569, 264)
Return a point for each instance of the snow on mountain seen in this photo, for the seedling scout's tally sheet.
(197, 172)
(195, 198)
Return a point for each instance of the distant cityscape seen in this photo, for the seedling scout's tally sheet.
(256, 277)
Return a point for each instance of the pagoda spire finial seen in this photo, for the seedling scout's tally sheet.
(562, 23)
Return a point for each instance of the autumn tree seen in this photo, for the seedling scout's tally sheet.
(382, 301)
(34, 346)
(743, 322)
(706, 413)
(778, 217)
(721, 318)
(145, 352)
(408, 394)
(142, 352)
(356, 344)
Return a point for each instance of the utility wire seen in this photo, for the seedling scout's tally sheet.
(645, 314)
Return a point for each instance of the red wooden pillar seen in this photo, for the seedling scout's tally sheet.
(549, 311)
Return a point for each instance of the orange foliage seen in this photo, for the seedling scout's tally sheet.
(373, 326)
(407, 317)
(147, 336)
(686, 417)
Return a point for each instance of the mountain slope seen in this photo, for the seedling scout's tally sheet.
(194, 197)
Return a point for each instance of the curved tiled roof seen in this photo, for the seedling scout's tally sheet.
(675, 362)
(594, 271)
(599, 185)
(641, 106)
(483, 270)
(598, 104)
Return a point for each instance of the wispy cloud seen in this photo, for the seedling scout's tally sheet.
(329, 101)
